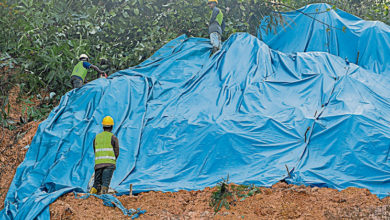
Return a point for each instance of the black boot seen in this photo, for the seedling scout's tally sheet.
(99, 190)
(104, 190)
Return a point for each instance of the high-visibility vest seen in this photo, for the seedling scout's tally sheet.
(104, 152)
(80, 70)
(219, 17)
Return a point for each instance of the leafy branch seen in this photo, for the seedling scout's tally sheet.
(228, 194)
(310, 15)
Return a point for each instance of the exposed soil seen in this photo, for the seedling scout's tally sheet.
(14, 138)
(12, 153)
(282, 201)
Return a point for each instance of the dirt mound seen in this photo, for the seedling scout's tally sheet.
(282, 201)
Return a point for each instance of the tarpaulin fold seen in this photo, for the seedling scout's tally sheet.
(320, 27)
(185, 120)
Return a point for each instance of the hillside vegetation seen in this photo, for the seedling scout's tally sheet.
(42, 39)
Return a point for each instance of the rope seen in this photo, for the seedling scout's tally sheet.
(112, 201)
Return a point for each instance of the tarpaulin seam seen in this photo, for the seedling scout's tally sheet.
(193, 82)
(42, 185)
(150, 91)
(90, 121)
(310, 35)
(150, 98)
(337, 79)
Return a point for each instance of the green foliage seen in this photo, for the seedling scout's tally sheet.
(220, 198)
(6, 61)
(47, 36)
(366, 9)
(36, 108)
(31, 111)
(226, 195)
(6, 82)
(4, 107)
(245, 191)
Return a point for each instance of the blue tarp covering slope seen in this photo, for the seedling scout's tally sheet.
(357, 110)
(185, 120)
(318, 27)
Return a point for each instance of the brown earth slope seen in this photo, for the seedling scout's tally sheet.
(282, 201)
(12, 143)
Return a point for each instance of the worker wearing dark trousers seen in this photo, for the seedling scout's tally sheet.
(106, 148)
(216, 25)
(80, 71)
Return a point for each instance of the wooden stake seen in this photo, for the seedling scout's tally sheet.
(131, 190)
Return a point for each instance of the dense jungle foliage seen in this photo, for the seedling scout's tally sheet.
(43, 38)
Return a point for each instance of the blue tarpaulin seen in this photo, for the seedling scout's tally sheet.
(185, 120)
(319, 27)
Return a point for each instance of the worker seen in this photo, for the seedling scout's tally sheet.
(106, 148)
(80, 71)
(216, 25)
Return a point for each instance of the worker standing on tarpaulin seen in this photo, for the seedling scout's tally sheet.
(80, 71)
(106, 147)
(216, 25)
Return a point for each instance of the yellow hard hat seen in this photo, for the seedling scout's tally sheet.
(216, 1)
(108, 121)
(83, 56)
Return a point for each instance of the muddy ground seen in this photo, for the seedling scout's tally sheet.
(282, 201)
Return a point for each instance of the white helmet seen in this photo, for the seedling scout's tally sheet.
(83, 56)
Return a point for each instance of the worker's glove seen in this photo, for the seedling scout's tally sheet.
(103, 75)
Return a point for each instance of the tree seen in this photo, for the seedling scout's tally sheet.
(45, 36)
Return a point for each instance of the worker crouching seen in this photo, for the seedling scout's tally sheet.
(80, 71)
(106, 148)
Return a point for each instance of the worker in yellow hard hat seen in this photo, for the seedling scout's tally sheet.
(216, 25)
(106, 148)
(80, 71)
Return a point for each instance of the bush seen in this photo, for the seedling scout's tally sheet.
(45, 37)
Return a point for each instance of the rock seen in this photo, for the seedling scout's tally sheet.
(205, 213)
(52, 94)
(302, 187)
(341, 200)
(10, 122)
(301, 190)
